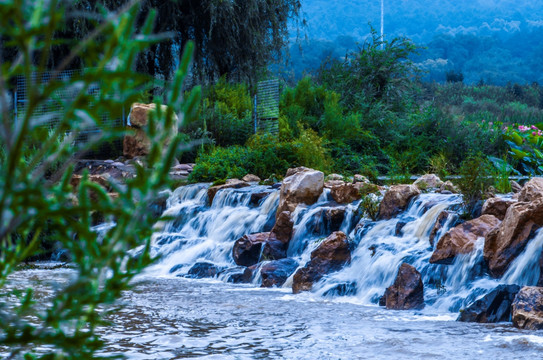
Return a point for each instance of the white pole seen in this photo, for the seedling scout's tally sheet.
(382, 22)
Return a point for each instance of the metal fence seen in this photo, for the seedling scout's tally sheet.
(50, 111)
(267, 106)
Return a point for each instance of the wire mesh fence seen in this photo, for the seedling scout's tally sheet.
(267, 106)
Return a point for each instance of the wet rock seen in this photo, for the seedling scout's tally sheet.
(347, 289)
(462, 238)
(532, 190)
(407, 292)
(237, 275)
(440, 222)
(283, 227)
(230, 184)
(345, 193)
(515, 186)
(249, 249)
(396, 200)
(527, 309)
(158, 205)
(202, 270)
(497, 206)
(275, 273)
(256, 198)
(303, 187)
(327, 220)
(506, 242)
(176, 268)
(448, 187)
(399, 227)
(428, 181)
(251, 178)
(331, 255)
(493, 307)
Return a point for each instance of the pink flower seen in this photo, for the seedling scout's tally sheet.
(534, 127)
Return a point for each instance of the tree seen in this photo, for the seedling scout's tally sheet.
(234, 38)
(62, 326)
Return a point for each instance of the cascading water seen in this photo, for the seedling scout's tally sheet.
(197, 231)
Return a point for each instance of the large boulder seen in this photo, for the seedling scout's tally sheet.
(283, 227)
(230, 184)
(493, 307)
(497, 206)
(275, 273)
(251, 178)
(532, 190)
(441, 220)
(527, 309)
(407, 292)
(396, 200)
(331, 255)
(462, 238)
(302, 187)
(137, 143)
(504, 244)
(203, 270)
(344, 193)
(428, 181)
(249, 249)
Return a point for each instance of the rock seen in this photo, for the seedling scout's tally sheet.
(230, 184)
(462, 238)
(249, 249)
(407, 292)
(527, 309)
(283, 227)
(440, 222)
(237, 275)
(275, 273)
(428, 181)
(497, 206)
(532, 190)
(159, 204)
(493, 307)
(251, 178)
(139, 114)
(515, 186)
(182, 167)
(346, 289)
(202, 270)
(360, 178)
(448, 187)
(303, 187)
(399, 227)
(294, 171)
(326, 220)
(396, 200)
(345, 193)
(331, 255)
(136, 143)
(256, 198)
(505, 243)
(334, 177)
(101, 180)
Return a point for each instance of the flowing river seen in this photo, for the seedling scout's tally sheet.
(170, 316)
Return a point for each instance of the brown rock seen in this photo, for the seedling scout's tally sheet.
(497, 206)
(249, 249)
(294, 171)
(506, 242)
(344, 193)
(532, 190)
(440, 222)
(230, 184)
(527, 309)
(428, 181)
(303, 187)
(334, 177)
(136, 144)
(331, 255)
(251, 178)
(515, 187)
(139, 114)
(448, 186)
(101, 180)
(283, 227)
(275, 273)
(360, 178)
(407, 292)
(396, 200)
(462, 238)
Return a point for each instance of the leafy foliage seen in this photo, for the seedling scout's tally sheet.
(63, 326)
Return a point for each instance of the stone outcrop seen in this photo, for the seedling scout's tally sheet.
(343, 192)
(249, 249)
(304, 186)
(396, 200)
(527, 309)
(407, 292)
(505, 243)
(275, 273)
(497, 206)
(283, 227)
(462, 238)
(137, 143)
(331, 255)
(493, 307)
(230, 184)
(532, 190)
(251, 178)
(428, 181)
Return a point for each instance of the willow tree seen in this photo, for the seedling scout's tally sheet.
(233, 38)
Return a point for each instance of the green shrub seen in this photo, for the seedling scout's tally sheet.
(223, 163)
(475, 179)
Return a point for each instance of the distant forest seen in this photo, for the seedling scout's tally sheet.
(495, 42)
